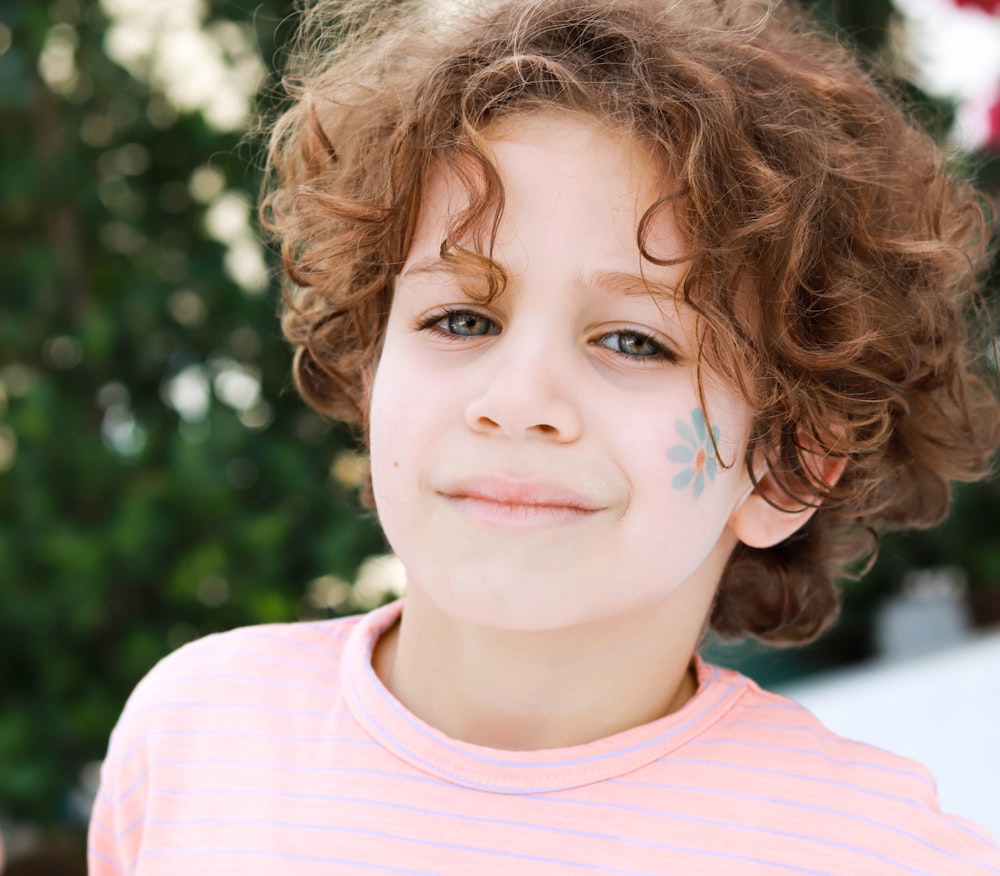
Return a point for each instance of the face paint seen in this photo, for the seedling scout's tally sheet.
(696, 454)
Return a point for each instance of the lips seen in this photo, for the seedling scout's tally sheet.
(518, 503)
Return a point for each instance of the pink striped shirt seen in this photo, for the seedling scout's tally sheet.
(276, 749)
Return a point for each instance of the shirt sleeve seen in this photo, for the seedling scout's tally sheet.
(118, 818)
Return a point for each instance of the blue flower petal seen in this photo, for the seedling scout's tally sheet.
(685, 432)
(699, 484)
(698, 418)
(681, 480)
(710, 466)
(716, 434)
(680, 453)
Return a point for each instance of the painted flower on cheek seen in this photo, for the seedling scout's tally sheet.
(697, 453)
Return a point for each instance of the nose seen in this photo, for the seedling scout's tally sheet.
(527, 392)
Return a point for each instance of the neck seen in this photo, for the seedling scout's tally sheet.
(520, 690)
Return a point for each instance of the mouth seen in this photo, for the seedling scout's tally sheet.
(506, 503)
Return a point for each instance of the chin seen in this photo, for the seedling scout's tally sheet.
(528, 608)
(497, 607)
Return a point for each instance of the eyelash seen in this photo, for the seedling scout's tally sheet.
(439, 320)
(660, 351)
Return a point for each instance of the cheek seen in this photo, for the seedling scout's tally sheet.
(403, 425)
(387, 418)
(700, 461)
(388, 383)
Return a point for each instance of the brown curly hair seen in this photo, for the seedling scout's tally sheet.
(833, 259)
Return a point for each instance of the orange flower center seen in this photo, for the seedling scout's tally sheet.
(699, 460)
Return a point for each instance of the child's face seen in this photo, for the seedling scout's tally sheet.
(542, 461)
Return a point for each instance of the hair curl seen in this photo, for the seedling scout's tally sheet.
(833, 259)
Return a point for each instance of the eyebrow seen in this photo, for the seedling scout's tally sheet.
(621, 282)
(630, 285)
(430, 265)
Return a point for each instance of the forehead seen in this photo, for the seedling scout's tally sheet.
(553, 172)
(574, 194)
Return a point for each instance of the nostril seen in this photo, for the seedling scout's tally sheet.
(523, 409)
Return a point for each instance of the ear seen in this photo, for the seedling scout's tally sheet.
(767, 516)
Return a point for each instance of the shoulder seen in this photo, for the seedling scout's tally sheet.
(258, 676)
(785, 735)
(855, 798)
(227, 709)
(302, 646)
(271, 652)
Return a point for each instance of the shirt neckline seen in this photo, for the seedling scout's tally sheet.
(518, 772)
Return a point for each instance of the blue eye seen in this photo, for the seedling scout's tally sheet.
(634, 345)
(460, 324)
(468, 324)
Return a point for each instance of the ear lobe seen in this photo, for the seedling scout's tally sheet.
(767, 516)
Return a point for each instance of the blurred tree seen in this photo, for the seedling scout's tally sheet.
(159, 478)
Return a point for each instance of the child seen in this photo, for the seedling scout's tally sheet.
(652, 314)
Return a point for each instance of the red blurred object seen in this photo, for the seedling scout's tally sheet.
(993, 136)
(989, 6)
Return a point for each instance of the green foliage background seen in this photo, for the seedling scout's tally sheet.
(125, 529)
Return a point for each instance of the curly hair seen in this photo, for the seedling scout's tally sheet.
(834, 260)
